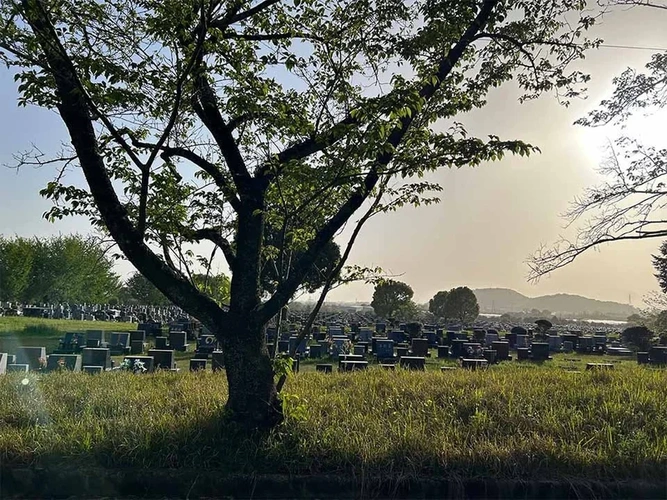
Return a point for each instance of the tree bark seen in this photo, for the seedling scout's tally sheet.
(253, 398)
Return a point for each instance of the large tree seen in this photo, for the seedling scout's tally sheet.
(436, 305)
(629, 203)
(206, 120)
(461, 304)
(390, 296)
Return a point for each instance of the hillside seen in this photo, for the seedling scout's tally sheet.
(502, 300)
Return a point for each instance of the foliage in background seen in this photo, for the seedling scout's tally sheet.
(71, 268)
(391, 298)
(461, 305)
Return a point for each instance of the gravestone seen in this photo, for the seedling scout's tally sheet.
(348, 357)
(384, 348)
(70, 362)
(217, 361)
(337, 346)
(555, 342)
(71, 343)
(365, 334)
(402, 352)
(18, 367)
(568, 346)
(324, 368)
(138, 335)
(96, 356)
(502, 349)
(136, 347)
(31, 356)
(511, 338)
(119, 343)
(178, 340)
(585, 344)
(490, 337)
(521, 341)
(450, 336)
(522, 354)
(572, 338)
(431, 338)
(380, 327)
(316, 351)
(642, 358)
(396, 335)
(3, 362)
(472, 350)
(413, 363)
(92, 369)
(540, 351)
(301, 347)
(148, 361)
(283, 346)
(360, 350)
(197, 365)
(443, 351)
(474, 363)
(490, 356)
(420, 347)
(658, 355)
(388, 366)
(457, 347)
(163, 359)
(348, 366)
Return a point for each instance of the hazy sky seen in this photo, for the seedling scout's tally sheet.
(491, 218)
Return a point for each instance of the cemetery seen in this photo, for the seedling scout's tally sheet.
(454, 400)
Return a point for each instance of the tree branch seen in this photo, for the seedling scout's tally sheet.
(286, 289)
(220, 241)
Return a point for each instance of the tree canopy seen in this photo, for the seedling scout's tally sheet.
(390, 296)
(59, 269)
(207, 121)
(461, 304)
(437, 305)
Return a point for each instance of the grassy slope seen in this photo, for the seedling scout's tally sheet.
(511, 421)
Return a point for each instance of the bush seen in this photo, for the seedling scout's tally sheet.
(638, 337)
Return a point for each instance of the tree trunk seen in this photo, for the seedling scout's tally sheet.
(253, 398)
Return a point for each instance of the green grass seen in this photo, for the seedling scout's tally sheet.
(511, 421)
(18, 331)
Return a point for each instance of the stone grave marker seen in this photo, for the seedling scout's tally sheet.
(522, 354)
(92, 369)
(396, 335)
(95, 338)
(521, 341)
(161, 343)
(197, 365)
(96, 356)
(413, 362)
(18, 367)
(301, 347)
(3, 362)
(136, 347)
(316, 351)
(163, 359)
(540, 351)
(148, 361)
(283, 346)
(324, 368)
(359, 350)
(217, 361)
(490, 356)
(138, 335)
(568, 346)
(349, 366)
(178, 340)
(502, 349)
(31, 356)
(402, 352)
(443, 351)
(420, 347)
(555, 342)
(119, 343)
(474, 363)
(365, 334)
(457, 347)
(384, 348)
(491, 337)
(71, 362)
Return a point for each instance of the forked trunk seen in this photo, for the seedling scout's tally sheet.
(253, 398)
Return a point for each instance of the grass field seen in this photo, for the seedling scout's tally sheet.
(17, 331)
(518, 421)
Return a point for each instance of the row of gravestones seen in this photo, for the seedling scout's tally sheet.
(96, 359)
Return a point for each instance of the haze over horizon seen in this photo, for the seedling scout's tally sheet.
(491, 218)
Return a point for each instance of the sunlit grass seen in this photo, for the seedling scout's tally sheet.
(512, 422)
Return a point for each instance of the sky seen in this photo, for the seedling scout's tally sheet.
(491, 218)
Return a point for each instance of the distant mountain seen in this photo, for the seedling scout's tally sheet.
(502, 300)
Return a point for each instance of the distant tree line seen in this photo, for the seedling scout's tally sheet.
(57, 269)
(79, 269)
